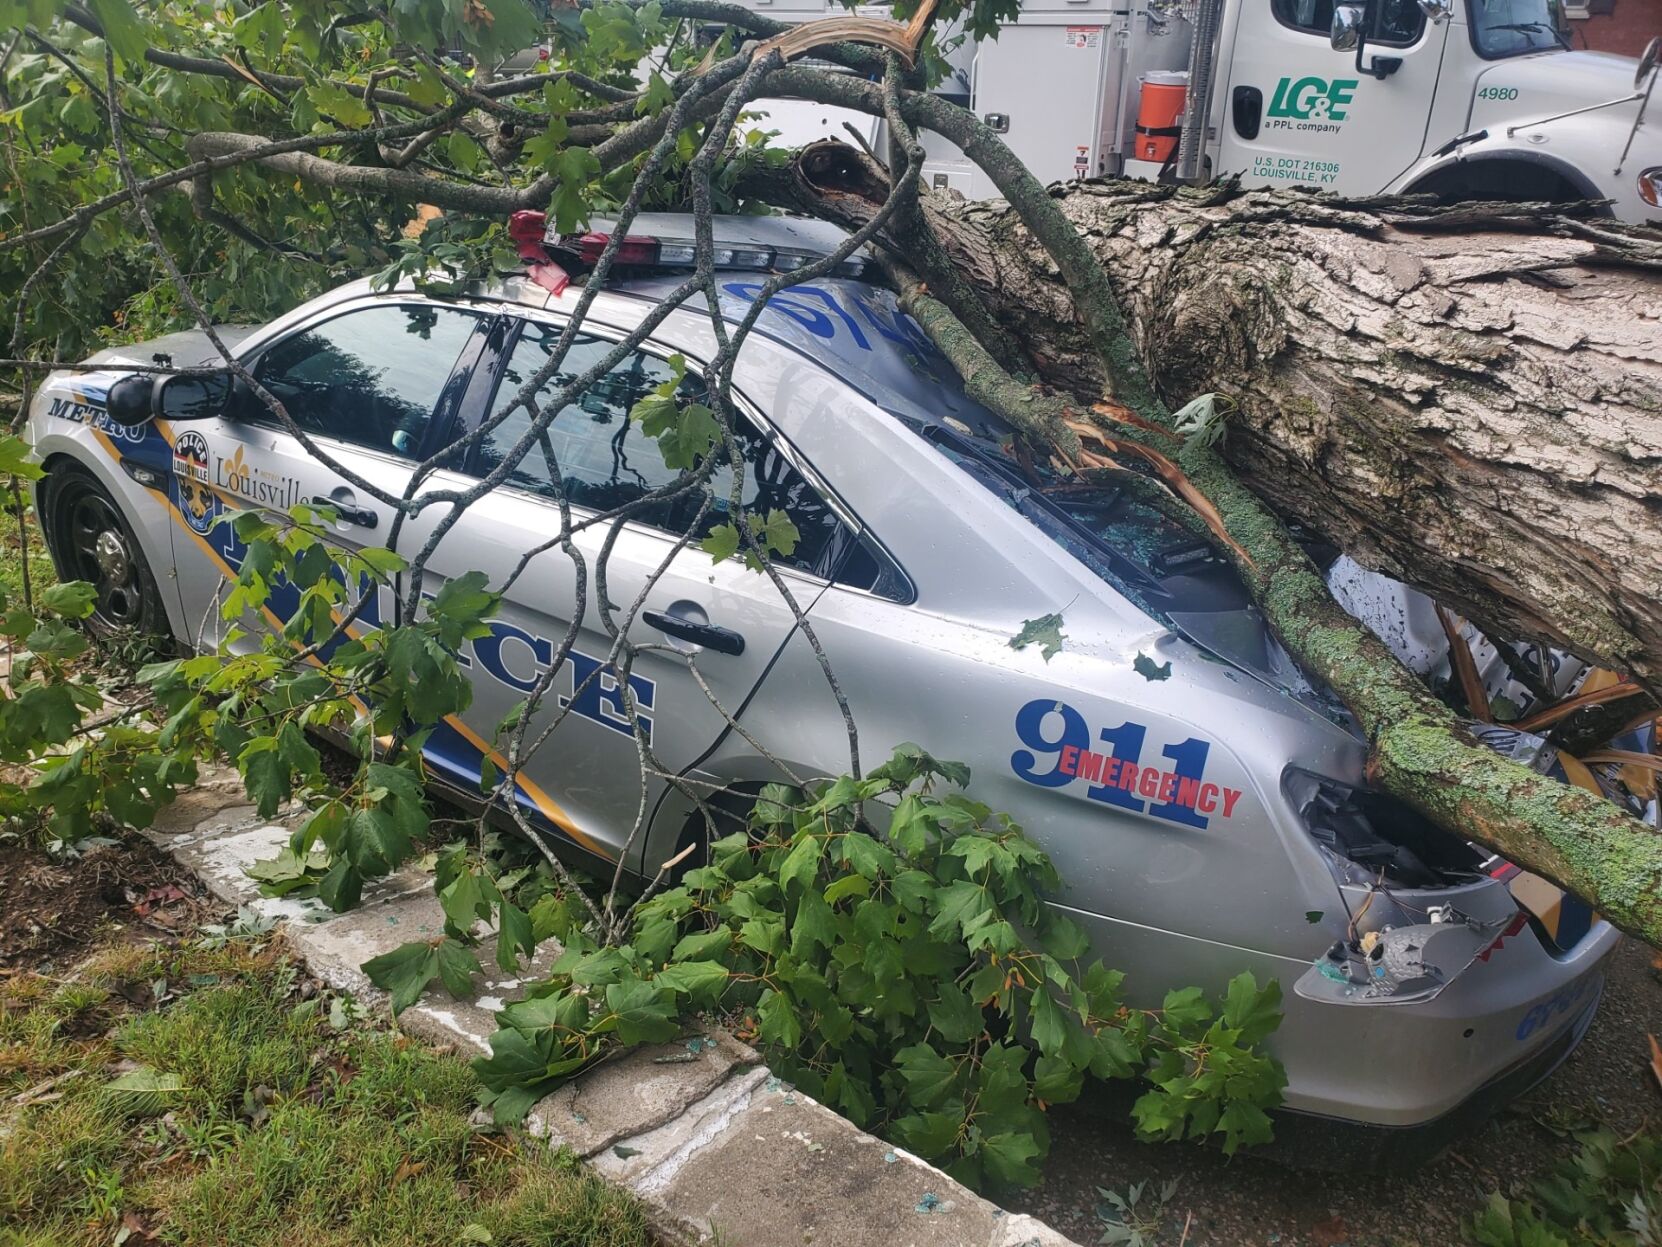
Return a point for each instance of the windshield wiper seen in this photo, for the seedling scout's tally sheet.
(1527, 28)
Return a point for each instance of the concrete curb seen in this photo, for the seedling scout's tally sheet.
(710, 1141)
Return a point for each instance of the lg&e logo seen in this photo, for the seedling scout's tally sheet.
(1313, 99)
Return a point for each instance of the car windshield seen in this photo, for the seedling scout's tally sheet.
(1514, 27)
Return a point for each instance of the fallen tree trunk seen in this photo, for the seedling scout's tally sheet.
(1470, 402)
(1419, 750)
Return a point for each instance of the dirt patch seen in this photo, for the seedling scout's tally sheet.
(49, 909)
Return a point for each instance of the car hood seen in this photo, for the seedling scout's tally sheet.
(188, 348)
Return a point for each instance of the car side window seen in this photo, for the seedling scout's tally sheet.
(1396, 23)
(1311, 16)
(372, 376)
(605, 461)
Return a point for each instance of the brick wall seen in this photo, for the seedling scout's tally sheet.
(1622, 26)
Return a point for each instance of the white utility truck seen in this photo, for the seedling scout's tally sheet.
(1467, 99)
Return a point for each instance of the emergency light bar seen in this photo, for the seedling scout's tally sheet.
(644, 251)
(746, 243)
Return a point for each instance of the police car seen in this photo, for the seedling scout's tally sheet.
(1204, 804)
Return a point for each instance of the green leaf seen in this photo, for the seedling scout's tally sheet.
(776, 534)
(456, 966)
(1045, 632)
(1050, 1024)
(1057, 1080)
(1009, 1158)
(264, 775)
(383, 562)
(513, 936)
(765, 935)
(14, 451)
(928, 1075)
(573, 169)
(1185, 1008)
(463, 901)
(1252, 1012)
(702, 944)
(814, 926)
(1144, 666)
(962, 905)
(72, 599)
(339, 104)
(1243, 1124)
(955, 1016)
(930, 1135)
(123, 28)
(341, 887)
(143, 1092)
(642, 1017)
(404, 972)
(802, 862)
(778, 1023)
(702, 979)
(721, 543)
(683, 443)
(296, 751)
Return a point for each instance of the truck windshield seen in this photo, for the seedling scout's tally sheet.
(1514, 27)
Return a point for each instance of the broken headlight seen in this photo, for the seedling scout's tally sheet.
(1373, 838)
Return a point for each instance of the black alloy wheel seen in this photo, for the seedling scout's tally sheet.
(91, 541)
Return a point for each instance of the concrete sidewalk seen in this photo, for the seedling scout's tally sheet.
(698, 1128)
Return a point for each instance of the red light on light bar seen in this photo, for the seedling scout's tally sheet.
(527, 229)
(634, 249)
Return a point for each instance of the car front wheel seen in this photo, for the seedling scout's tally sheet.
(91, 541)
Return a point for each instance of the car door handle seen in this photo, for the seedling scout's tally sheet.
(361, 516)
(722, 640)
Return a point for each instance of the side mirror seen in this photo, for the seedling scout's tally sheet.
(139, 397)
(1647, 63)
(1438, 11)
(192, 395)
(128, 401)
(1346, 32)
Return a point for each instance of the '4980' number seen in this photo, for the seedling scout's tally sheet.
(1497, 93)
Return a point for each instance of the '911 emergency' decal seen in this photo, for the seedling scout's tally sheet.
(1177, 792)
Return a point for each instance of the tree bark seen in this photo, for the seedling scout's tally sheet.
(1419, 750)
(1468, 401)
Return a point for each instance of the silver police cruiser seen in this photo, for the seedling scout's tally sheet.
(1208, 817)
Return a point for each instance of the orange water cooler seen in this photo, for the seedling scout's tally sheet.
(1160, 114)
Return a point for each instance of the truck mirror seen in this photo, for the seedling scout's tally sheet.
(129, 400)
(1346, 32)
(1438, 11)
(193, 395)
(1647, 63)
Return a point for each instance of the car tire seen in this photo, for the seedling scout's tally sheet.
(91, 540)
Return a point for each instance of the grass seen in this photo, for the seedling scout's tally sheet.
(15, 546)
(265, 1123)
